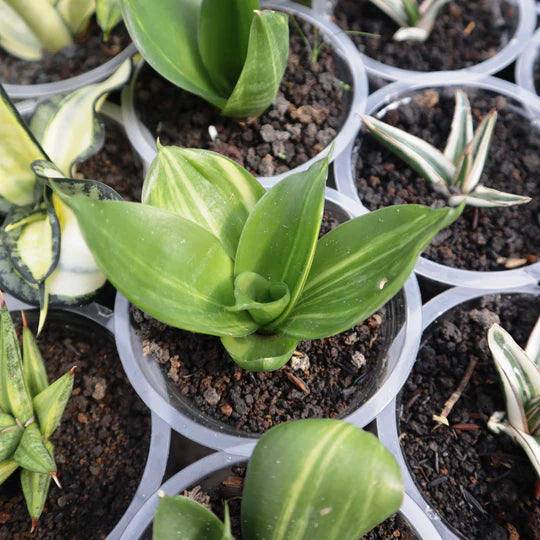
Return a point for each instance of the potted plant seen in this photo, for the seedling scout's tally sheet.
(469, 494)
(49, 49)
(96, 444)
(323, 89)
(478, 37)
(258, 326)
(377, 178)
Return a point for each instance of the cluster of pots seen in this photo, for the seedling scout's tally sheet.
(411, 323)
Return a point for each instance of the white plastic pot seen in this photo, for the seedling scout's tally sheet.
(145, 144)
(205, 467)
(161, 396)
(525, 63)
(390, 97)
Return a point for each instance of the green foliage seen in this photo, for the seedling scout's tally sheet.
(222, 257)
(314, 479)
(455, 173)
(31, 410)
(229, 53)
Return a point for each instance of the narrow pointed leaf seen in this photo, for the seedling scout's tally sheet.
(279, 238)
(76, 13)
(265, 64)
(10, 435)
(181, 518)
(35, 488)
(258, 352)
(227, 534)
(413, 15)
(360, 265)
(16, 37)
(424, 158)
(463, 170)
(533, 344)
(223, 39)
(484, 197)
(186, 281)
(34, 370)
(32, 453)
(461, 132)
(532, 413)
(49, 404)
(68, 129)
(7, 468)
(177, 58)
(411, 33)
(394, 9)
(204, 187)
(109, 14)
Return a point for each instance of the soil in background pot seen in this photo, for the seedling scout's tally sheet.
(101, 445)
(482, 484)
(306, 115)
(88, 52)
(483, 238)
(465, 33)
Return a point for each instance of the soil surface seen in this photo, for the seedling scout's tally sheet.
(480, 239)
(306, 115)
(88, 52)
(465, 33)
(115, 165)
(230, 490)
(101, 445)
(481, 483)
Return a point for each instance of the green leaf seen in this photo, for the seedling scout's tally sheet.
(18, 149)
(35, 488)
(185, 281)
(259, 352)
(461, 132)
(10, 435)
(204, 187)
(76, 13)
(360, 265)
(265, 64)
(223, 39)
(177, 57)
(279, 237)
(413, 14)
(32, 454)
(318, 479)
(16, 37)
(67, 127)
(34, 370)
(7, 468)
(488, 198)
(532, 413)
(181, 518)
(109, 14)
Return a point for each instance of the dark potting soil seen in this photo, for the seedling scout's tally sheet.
(115, 165)
(465, 33)
(88, 52)
(482, 483)
(308, 111)
(213, 494)
(480, 239)
(101, 445)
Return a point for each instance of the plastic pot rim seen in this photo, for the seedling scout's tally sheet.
(525, 63)
(145, 145)
(345, 182)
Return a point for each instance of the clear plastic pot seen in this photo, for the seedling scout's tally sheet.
(526, 62)
(161, 433)
(145, 145)
(207, 466)
(160, 394)
(390, 97)
(387, 421)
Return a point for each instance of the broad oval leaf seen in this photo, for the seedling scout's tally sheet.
(360, 265)
(280, 234)
(185, 281)
(16, 37)
(318, 479)
(259, 352)
(265, 64)
(165, 33)
(204, 187)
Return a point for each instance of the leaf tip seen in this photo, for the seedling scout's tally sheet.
(54, 476)
(72, 371)
(34, 523)
(23, 317)
(3, 300)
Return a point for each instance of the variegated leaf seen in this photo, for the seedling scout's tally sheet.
(488, 198)
(533, 344)
(16, 37)
(461, 132)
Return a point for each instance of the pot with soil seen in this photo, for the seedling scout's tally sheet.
(471, 482)
(480, 37)
(528, 66)
(111, 451)
(197, 388)
(317, 105)
(485, 247)
(219, 477)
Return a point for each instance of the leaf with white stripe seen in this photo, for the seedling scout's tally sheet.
(461, 132)
(533, 344)
(485, 197)
(395, 9)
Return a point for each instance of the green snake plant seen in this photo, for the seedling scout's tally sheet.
(30, 27)
(415, 20)
(42, 253)
(230, 53)
(30, 411)
(210, 252)
(519, 371)
(455, 173)
(317, 479)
